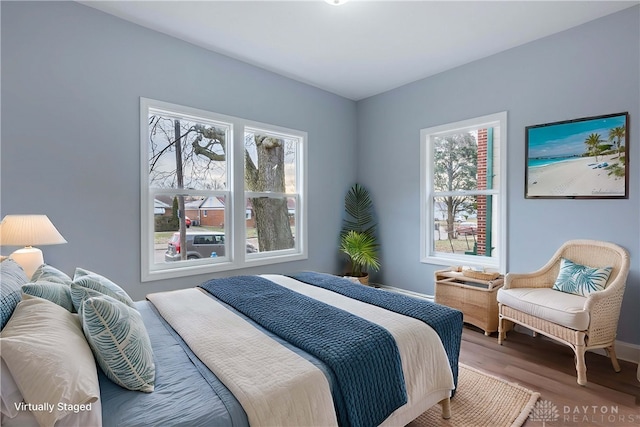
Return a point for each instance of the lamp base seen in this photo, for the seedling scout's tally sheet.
(29, 259)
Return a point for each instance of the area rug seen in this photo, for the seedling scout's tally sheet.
(482, 400)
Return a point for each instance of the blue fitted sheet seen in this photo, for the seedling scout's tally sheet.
(186, 392)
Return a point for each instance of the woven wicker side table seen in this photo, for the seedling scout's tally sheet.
(475, 297)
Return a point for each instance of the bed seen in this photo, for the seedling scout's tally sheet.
(303, 349)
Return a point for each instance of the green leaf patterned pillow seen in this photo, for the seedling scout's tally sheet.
(79, 294)
(120, 342)
(101, 284)
(50, 274)
(580, 279)
(53, 291)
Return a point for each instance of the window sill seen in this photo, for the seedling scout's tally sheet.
(448, 260)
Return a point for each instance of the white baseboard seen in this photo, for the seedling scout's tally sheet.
(405, 292)
(624, 350)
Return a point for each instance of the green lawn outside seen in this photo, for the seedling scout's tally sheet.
(460, 245)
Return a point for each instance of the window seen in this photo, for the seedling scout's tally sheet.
(463, 189)
(241, 182)
(271, 195)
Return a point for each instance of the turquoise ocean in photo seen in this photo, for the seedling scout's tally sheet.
(534, 163)
(561, 142)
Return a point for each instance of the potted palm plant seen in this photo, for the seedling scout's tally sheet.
(358, 235)
(362, 251)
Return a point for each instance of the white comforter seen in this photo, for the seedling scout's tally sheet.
(428, 376)
(277, 387)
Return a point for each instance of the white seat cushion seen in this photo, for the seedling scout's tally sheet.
(555, 306)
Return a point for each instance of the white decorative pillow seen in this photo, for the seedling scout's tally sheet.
(101, 284)
(580, 279)
(120, 342)
(50, 274)
(49, 359)
(55, 292)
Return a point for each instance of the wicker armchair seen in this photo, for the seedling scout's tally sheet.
(599, 311)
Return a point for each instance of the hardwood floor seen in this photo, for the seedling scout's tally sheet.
(608, 399)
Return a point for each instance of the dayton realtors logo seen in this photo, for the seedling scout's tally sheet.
(546, 412)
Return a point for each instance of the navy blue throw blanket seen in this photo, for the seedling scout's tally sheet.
(446, 321)
(362, 355)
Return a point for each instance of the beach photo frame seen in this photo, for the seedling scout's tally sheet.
(584, 158)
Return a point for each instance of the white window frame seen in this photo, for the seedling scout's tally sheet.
(235, 212)
(428, 254)
(284, 255)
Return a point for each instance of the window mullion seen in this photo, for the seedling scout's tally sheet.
(239, 204)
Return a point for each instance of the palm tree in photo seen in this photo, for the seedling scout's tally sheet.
(616, 135)
(593, 144)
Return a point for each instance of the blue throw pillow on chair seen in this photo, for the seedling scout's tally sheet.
(582, 280)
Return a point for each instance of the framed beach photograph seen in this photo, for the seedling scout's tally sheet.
(578, 159)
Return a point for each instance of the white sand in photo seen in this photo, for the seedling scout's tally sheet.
(576, 177)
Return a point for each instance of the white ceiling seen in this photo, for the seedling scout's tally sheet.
(363, 47)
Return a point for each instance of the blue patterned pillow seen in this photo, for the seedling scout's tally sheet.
(88, 279)
(55, 292)
(12, 277)
(579, 279)
(50, 274)
(120, 342)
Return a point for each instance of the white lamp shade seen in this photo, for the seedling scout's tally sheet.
(28, 230)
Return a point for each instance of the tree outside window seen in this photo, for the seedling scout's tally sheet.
(462, 192)
(189, 157)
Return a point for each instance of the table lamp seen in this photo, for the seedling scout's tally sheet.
(28, 230)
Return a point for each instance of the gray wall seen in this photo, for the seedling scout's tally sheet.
(586, 71)
(71, 81)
